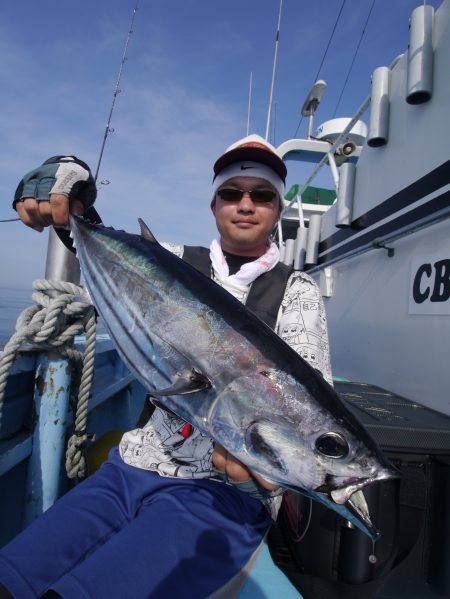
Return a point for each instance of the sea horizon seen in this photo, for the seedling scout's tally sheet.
(13, 301)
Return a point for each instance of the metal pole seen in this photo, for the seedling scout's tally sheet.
(51, 400)
(310, 124)
(52, 389)
(61, 264)
(53, 374)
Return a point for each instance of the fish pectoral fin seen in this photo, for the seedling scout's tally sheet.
(145, 232)
(189, 381)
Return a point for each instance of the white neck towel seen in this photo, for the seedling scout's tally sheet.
(248, 271)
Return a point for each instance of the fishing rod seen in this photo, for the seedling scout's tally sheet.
(117, 90)
(108, 128)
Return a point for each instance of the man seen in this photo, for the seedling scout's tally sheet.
(170, 514)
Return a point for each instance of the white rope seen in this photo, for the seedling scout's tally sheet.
(51, 325)
(75, 455)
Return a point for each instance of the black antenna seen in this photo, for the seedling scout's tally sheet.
(117, 90)
(353, 59)
(324, 56)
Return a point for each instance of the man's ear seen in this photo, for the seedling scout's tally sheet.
(213, 206)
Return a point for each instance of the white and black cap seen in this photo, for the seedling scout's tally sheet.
(251, 156)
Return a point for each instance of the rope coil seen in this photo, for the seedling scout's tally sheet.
(52, 325)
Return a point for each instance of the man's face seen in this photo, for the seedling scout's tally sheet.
(245, 225)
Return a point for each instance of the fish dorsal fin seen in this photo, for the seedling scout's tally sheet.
(145, 232)
(189, 381)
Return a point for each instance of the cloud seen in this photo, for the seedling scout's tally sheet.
(184, 97)
(158, 160)
(169, 154)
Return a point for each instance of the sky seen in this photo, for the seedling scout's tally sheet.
(184, 97)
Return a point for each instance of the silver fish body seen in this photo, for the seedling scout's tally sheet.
(216, 365)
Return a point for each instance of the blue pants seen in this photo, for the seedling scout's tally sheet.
(129, 533)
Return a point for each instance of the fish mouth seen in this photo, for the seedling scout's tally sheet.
(355, 511)
(350, 502)
(357, 505)
(342, 493)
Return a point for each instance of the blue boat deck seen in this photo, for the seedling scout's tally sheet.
(266, 581)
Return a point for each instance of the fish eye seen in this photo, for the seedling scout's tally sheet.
(333, 445)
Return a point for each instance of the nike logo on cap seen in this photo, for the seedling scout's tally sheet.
(244, 168)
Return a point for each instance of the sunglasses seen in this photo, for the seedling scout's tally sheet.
(258, 196)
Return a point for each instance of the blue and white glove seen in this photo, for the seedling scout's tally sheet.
(65, 175)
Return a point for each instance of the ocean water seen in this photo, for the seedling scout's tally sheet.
(12, 303)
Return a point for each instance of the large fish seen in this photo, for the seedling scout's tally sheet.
(216, 365)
